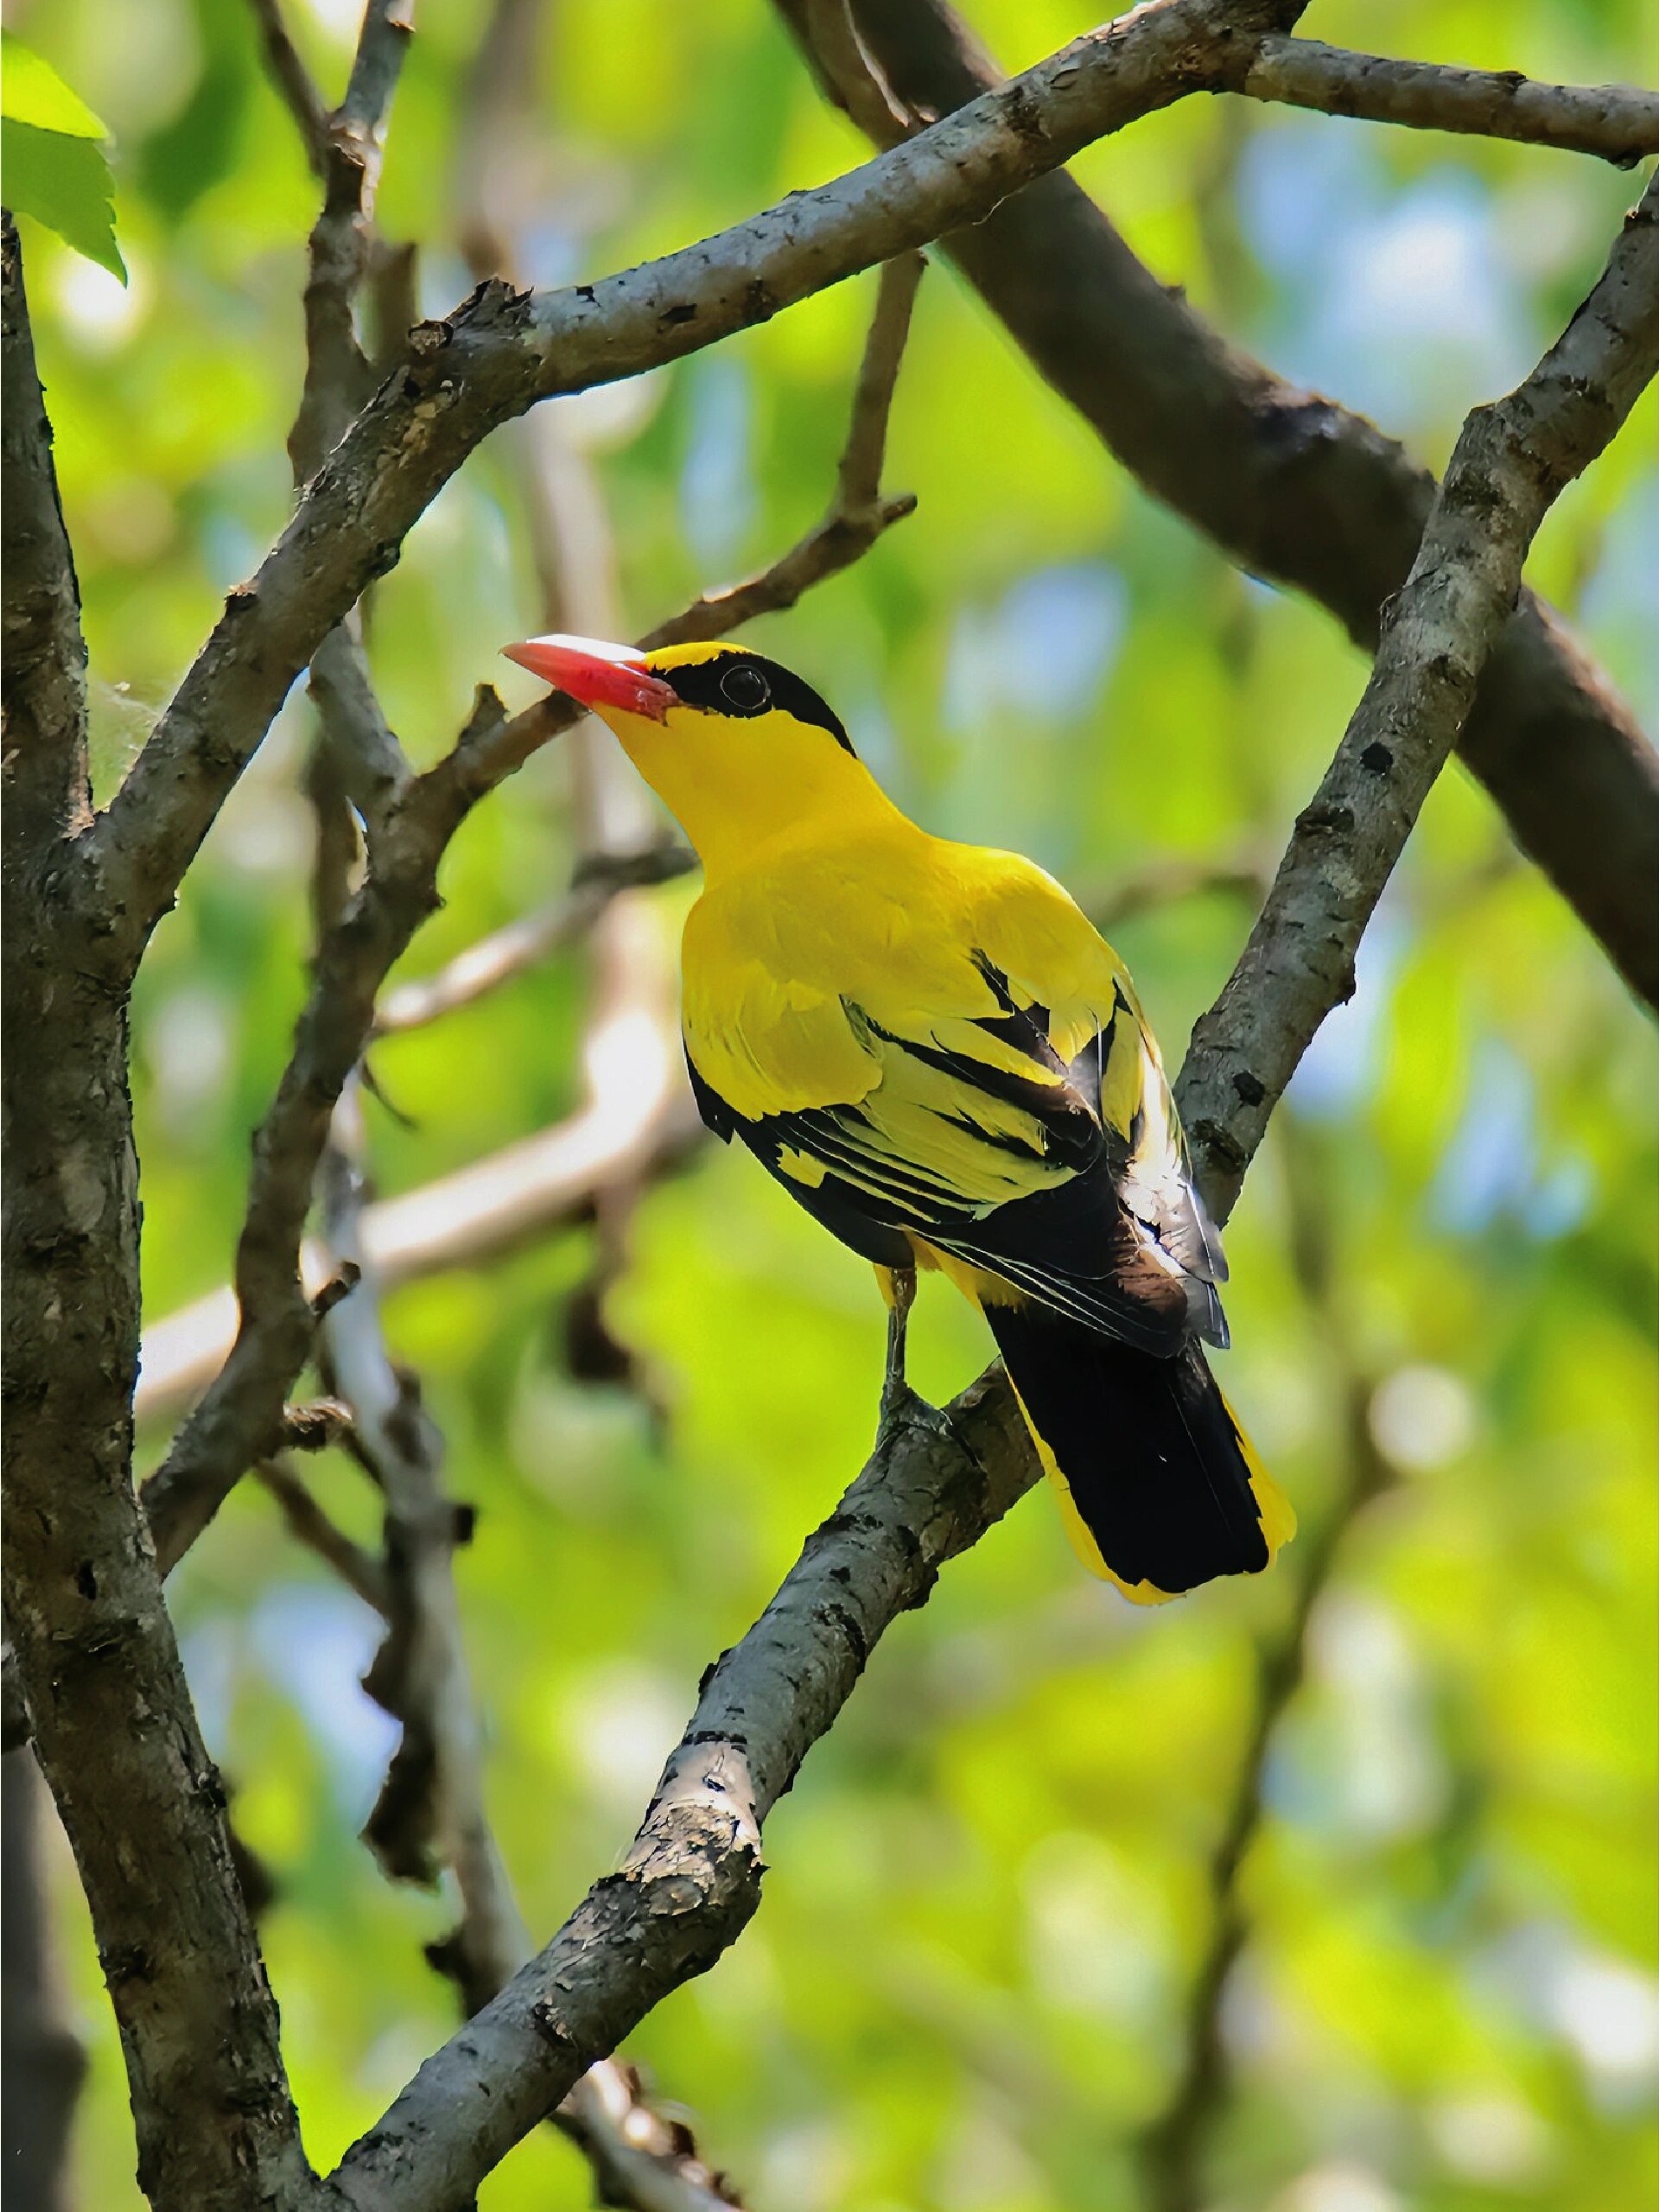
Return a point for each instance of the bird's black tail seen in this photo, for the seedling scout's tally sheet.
(1160, 1487)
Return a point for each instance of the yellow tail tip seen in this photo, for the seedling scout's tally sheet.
(1278, 1515)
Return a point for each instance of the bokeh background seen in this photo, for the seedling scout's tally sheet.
(970, 1989)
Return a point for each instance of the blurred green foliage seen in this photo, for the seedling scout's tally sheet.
(965, 1990)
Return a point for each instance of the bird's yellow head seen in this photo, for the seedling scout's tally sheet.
(737, 747)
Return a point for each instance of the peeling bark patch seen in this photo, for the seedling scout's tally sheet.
(82, 1187)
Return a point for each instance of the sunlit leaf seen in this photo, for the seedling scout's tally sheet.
(64, 182)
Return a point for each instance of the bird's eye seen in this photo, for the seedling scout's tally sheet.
(745, 688)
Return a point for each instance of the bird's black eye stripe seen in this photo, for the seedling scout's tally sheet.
(749, 683)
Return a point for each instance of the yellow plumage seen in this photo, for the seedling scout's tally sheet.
(933, 1047)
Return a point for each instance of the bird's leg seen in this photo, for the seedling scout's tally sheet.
(899, 1289)
(901, 1406)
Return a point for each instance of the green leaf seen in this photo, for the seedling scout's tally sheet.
(32, 92)
(63, 181)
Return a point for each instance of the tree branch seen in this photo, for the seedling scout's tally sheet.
(858, 515)
(430, 1811)
(626, 1128)
(1289, 486)
(309, 1525)
(1616, 122)
(337, 373)
(239, 1420)
(1511, 461)
(48, 791)
(295, 84)
(691, 1879)
(494, 959)
(502, 350)
(96, 1657)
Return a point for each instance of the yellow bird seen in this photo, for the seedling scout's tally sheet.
(931, 1047)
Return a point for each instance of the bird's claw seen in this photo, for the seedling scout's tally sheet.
(902, 1408)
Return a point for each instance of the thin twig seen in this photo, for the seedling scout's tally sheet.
(238, 1419)
(1617, 122)
(294, 82)
(309, 1525)
(508, 952)
(337, 374)
(851, 75)
(314, 1427)
(858, 480)
(1161, 882)
(857, 515)
(636, 1120)
(844, 535)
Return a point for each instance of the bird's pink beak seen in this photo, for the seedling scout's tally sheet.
(597, 675)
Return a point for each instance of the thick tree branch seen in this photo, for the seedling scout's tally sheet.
(48, 794)
(96, 1658)
(1510, 464)
(1617, 122)
(502, 350)
(1289, 484)
(691, 1880)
